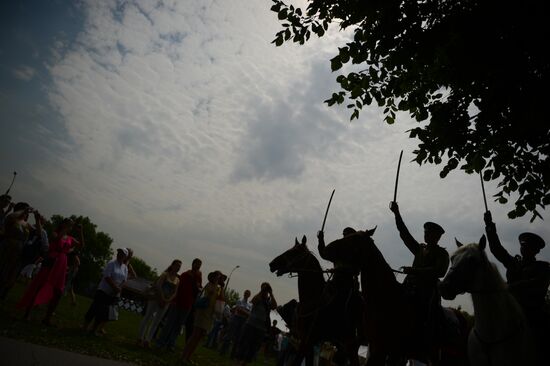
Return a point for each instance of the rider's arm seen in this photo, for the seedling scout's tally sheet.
(404, 233)
(494, 243)
(321, 246)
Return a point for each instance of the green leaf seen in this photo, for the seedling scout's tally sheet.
(335, 63)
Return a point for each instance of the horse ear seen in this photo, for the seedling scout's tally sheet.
(371, 231)
(482, 242)
(304, 240)
(296, 242)
(458, 244)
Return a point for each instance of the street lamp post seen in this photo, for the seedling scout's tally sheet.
(229, 277)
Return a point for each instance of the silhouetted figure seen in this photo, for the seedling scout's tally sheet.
(241, 312)
(257, 324)
(528, 280)
(5, 207)
(430, 263)
(342, 291)
(181, 307)
(16, 234)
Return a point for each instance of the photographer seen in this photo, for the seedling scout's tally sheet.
(16, 234)
(257, 324)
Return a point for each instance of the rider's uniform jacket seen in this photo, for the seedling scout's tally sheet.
(528, 281)
(430, 262)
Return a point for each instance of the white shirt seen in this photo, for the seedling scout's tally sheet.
(118, 273)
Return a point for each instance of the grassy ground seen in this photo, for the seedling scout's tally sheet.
(118, 344)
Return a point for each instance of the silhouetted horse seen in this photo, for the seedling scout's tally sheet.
(500, 335)
(317, 320)
(388, 318)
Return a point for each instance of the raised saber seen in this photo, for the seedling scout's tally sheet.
(397, 177)
(483, 190)
(12, 180)
(326, 212)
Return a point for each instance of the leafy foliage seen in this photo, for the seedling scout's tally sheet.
(472, 73)
(95, 253)
(231, 296)
(143, 270)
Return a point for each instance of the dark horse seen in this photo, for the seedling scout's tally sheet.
(388, 318)
(316, 320)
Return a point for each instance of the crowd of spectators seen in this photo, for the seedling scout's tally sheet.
(174, 301)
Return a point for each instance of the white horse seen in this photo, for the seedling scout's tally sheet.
(500, 335)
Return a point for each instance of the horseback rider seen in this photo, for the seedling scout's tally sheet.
(430, 263)
(342, 290)
(528, 280)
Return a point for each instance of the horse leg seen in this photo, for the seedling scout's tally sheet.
(375, 357)
(352, 349)
(309, 357)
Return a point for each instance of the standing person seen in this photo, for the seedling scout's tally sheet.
(271, 344)
(430, 263)
(256, 327)
(189, 323)
(131, 272)
(115, 274)
(35, 249)
(49, 284)
(240, 314)
(113, 308)
(16, 234)
(212, 340)
(189, 285)
(204, 315)
(165, 291)
(73, 262)
(528, 280)
(5, 207)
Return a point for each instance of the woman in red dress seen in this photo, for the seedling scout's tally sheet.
(49, 284)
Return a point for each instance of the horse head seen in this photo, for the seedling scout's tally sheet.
(293, 260)
(352, 247)
(466, 263)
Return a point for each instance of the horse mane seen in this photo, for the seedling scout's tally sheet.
(316, 262)
(490, 267)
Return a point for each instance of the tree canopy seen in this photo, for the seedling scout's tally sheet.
(143, 270)
(473, 74)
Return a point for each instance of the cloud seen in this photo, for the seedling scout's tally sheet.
(23, 72)
(185, 134)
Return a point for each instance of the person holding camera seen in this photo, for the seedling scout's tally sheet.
(16, 234)
(49, 284)
(257, 324)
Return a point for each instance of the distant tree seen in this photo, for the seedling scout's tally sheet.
(143, 270)
(231, 296)
(95, 253)
(474, 74)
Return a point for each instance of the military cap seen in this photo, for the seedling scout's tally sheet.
(531, 239)
(432, 226)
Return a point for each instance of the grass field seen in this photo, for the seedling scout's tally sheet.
(118, 344)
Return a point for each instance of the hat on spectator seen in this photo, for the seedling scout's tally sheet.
(123, 250)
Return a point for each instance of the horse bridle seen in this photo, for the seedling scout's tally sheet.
(289, 263)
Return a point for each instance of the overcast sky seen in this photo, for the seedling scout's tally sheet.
(182, 132)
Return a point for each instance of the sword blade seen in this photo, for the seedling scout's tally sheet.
(326, 212)
(397, 177)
